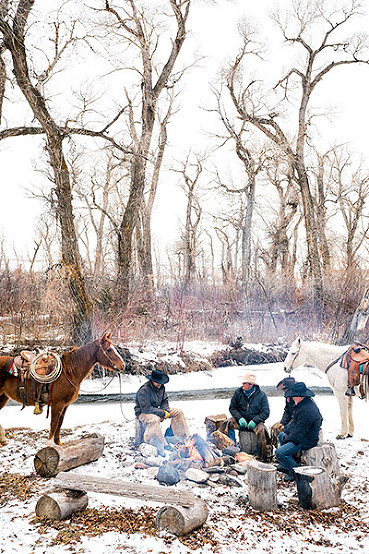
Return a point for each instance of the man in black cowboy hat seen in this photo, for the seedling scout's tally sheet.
(152, 407)
(289, 406)
(302, 432)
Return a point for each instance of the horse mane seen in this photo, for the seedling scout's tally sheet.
(78, 353)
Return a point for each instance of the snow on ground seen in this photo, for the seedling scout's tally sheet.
(232, 524)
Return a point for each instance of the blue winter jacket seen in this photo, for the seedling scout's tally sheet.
(305, 424)
(254, 407)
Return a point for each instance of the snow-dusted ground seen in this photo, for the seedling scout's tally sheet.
(234, 526)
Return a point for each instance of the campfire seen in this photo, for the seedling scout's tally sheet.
(196, 453)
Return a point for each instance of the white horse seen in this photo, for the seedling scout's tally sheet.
(326, 358)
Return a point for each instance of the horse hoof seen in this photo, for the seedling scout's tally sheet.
(339, 437)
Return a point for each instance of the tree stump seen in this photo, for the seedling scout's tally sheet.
(212, 423)
(2, 436)
(52, 460)
(262, 485)
(179, 520)
(316, 489)
(247, 441)
(324, 456)
(60, 505)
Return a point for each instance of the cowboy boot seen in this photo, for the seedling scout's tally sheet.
(350, 391)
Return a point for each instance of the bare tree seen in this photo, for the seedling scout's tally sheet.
(316, 34)
(136, 28)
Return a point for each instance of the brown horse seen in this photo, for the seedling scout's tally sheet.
(76, 365)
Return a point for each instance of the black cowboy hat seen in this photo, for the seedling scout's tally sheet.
(299, 389)
(286, 383)
(158, 377)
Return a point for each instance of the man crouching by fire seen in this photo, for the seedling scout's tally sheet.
(152, 407)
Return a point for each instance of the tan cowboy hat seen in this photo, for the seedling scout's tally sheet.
(249, 378)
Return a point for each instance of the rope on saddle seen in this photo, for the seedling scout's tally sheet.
(46, 367)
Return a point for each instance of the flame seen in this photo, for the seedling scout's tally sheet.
(189, 450)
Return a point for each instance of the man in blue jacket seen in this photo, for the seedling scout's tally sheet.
(302, 432)
(250, 408)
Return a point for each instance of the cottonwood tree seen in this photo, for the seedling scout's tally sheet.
(15, 22)
(315, 33)
(136, 28)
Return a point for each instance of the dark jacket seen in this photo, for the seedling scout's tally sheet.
(288, 411)
(150, 400)
(254, 407)
(305, 424)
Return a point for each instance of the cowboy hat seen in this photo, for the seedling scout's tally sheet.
(286, 383)
(158, 377)
(249, 378)
(299, 389)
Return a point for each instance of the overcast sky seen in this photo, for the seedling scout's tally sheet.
(214, 36)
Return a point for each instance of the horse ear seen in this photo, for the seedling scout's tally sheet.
(106, 335)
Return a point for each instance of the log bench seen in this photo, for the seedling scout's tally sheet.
(184, 513)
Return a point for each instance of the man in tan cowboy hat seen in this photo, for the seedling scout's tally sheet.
(152, 407)
(249, 408)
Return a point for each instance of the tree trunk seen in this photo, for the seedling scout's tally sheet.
(316, 490)
(60, 505)
(323, 456)
(179, 521)
(52, 460)
(356, 330)
(262, 485)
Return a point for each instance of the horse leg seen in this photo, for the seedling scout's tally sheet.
(3, 400)
(58, 427)
(350, 417)
(343, 404)
(57, 416)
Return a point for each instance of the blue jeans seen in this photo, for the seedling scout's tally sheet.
(285, 453)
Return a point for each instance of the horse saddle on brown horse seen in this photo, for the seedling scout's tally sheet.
(29, 389)
(356, 361)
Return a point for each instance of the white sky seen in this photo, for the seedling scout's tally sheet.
(213, 35)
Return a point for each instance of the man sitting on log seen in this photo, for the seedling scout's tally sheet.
(152, 407)
(302, 433)
(250, 408)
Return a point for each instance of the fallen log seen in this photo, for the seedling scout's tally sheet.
(60, 505)
(51, 460)
(316, 489)
(324, 455)
(262, 485)
(188, 512)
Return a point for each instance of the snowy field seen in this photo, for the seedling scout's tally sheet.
(232, 524)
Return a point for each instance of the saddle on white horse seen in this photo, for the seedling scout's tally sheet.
(356, 361)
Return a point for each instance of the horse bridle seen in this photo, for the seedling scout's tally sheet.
(110, 360)
(294, 359)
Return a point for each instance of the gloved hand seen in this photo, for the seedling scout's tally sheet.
(251, 425)
(277, 428)
(167, 414)
(243, 423)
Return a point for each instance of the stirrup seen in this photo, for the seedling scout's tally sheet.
(350, 391)
(38, 408)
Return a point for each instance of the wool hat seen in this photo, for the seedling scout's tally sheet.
(249, 378)
(286, 383)
(298, 389)
(158, 377)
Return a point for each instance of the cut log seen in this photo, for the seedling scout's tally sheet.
(247, 442)
(60, 505)
(212, 423)
(262, 485)
(316, 489)
(147, 493)
(179, 520)
(323, 455)
(51, 460)
(2, 436)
